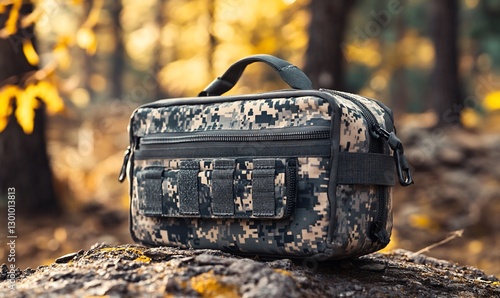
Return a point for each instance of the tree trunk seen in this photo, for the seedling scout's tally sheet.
(325, 60)
(399, 93)
(119, 53)
(447, 100)
(155, 87)
(24, 164)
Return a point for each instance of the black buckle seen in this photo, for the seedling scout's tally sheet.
(404, 173)
(402, 166)
(123, 171)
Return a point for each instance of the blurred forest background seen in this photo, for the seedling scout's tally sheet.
(72, 72)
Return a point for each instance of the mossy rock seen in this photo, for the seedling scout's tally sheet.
(137, 271)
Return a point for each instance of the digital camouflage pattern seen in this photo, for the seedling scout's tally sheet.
(237, 115)
(357, 205)
(376, 110)
(308, 230)
(301, 234)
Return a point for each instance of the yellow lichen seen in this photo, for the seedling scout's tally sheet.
(208, 285)
(141, 257)
(283, 271)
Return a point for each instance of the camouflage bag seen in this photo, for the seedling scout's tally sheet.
(292, 173)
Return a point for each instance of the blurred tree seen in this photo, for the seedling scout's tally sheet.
(324, 57)
(446, 96)
(119, 52)
(399, 96)
(23, 154)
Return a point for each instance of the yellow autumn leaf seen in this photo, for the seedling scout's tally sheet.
(3, 123)
(8, 91)
(470, 118)
(48, 93)
(6, 94)
(93, 14)
(492, 101)
(11, 23)
(367, 53)
(421, 221)
(32, 17)
(2, 8)
(25, 110)
(85, 39)
(30, 53)
(62, 55)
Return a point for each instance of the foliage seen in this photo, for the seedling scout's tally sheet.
(492, 101)
(27, 100)
(167, 42)
(40, 86)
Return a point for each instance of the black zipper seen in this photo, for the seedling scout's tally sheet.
(294, 134)
(291, 182)
(378, 230)
(284, 142)
(377, 132)
(373, 124)
(209, 100)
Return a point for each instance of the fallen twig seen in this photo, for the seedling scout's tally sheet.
(452, 236)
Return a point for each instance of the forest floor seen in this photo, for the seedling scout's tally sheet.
(456, 188)
(137, 271)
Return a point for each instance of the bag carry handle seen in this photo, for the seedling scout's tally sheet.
(291, 74)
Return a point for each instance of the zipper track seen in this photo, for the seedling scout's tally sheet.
(235, 137)
(377, 146)
(291, 177)
(365, 111)
(134, 142)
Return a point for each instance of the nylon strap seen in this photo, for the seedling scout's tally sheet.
(263, 187)
(222, 187)
(366, 169)
(292, 75)
(188, 187)
(152, 196)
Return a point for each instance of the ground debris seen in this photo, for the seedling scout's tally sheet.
(137, 271)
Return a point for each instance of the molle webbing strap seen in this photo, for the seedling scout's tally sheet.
(222, 187)
(188, 187)
(366, 169)
(263, 187)
(153, 193)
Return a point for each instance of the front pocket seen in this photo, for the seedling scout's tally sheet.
(219, 188)
(289, 142)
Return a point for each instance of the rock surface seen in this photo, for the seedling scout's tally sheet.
(137, 271)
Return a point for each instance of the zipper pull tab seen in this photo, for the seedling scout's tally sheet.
(402, 166)
(380, 233)
(123, 172)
